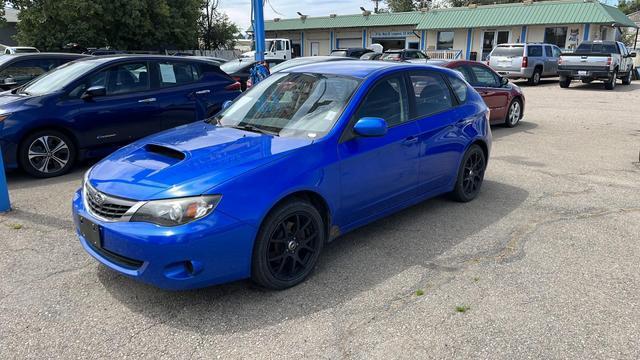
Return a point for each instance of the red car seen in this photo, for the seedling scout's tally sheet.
(505, 99)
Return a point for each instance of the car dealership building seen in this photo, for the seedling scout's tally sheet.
(456, 33)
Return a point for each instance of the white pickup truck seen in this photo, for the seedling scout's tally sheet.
(597, 60)
(276, 49)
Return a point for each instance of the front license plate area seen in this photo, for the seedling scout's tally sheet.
(91, 232)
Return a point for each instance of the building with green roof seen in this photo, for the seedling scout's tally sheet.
(467, 32)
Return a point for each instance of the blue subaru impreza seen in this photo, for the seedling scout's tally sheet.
(302, 158)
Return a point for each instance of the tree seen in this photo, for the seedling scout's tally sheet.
(216, 31)
(629, 6)
(402, 5)
(121, 24)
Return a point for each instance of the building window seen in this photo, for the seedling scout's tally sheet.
(445, 40)
(556, 36)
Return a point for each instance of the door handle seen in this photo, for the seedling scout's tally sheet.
(146, 101)
(202, 92)
(410, 140)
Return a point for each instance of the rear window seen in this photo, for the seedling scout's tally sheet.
(508, 51)
(534, 51)
(234, 66)
(586, 48)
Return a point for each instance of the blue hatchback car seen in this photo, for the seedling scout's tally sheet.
(90, 107)
(306, 155)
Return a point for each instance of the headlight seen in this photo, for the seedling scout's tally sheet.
(4, 116)
(173, 212)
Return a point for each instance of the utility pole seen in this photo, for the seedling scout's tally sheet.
(258, 28)
(376, 8)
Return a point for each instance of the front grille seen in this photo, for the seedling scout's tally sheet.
(104, 206)
(120, 260)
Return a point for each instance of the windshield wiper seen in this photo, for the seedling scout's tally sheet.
(254, 129)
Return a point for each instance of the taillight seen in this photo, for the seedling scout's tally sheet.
(236, 78)
(249, 83)
(560, 61)
(234, 87)
(609, 61)
(525, 61)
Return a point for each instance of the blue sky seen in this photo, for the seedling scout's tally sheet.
(240, 10)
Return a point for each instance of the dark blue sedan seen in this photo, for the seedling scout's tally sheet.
(90, 107)
(307, 155)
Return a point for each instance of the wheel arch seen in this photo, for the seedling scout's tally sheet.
(49, 126)
(315, 199)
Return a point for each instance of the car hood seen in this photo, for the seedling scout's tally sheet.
(7, 99)
(187, 161)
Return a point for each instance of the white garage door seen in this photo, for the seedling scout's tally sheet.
(349, 43)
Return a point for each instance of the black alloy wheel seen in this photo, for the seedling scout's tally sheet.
(288, 245)
(470, 175)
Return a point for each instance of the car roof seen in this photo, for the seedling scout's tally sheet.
(355, 68)
(102, 59)
(44, 55)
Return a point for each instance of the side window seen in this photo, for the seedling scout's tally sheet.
(459, 87)
(534, 50)
(484, 77)
(420, 55)
(279, 45)
(548, 51)
(556, 52)
(118, 80)
(466, 73)
(174, 73)
(25, 70)
(387, 100)
(432, 94)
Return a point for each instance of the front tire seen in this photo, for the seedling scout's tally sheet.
(627, 79)
(47, 153)
(514, 114)
(470, 175)
(288, 245)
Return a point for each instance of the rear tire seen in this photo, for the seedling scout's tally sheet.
(288, 245)
(565, 82)
(627, 79)
(514, 114)
(470, 175)
(611, 83)
(534, 80)
(47, 153)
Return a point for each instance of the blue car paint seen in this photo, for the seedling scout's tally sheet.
(101, 125)
(359, 180)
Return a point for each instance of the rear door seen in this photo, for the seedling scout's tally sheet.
(433, 107)
(550, 62)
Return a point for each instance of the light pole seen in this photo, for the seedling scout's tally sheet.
(258, 28)
(5, 205)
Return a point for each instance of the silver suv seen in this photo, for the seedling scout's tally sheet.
(531, 61)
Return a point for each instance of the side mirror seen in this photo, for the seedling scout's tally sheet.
(226, 104)
(504, 81)
(632, 54)
(370, 127)
(94, 91)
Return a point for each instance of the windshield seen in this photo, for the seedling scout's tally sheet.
(25, 50)
(58, 78)
(338, 53)
(597, 48)
(294, 104)
(508, 51)
(234, 66)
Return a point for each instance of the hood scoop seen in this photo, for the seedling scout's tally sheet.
(165, 151)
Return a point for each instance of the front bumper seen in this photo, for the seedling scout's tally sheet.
(9, 154)
(213, 250)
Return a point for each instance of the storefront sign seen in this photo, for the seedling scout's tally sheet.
(391, 34)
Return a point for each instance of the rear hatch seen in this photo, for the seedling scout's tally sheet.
(506, 58)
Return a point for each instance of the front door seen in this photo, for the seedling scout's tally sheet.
(315, 48)
(488, 85)
(378, 173)
(124, 114)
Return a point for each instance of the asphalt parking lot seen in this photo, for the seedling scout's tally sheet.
(544, 264)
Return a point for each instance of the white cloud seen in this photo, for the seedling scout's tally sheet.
(240, 10)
